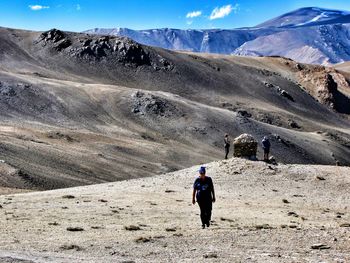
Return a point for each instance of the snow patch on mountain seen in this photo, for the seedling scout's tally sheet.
(310, 35)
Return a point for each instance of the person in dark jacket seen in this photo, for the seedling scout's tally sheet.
(227, 145)
(266, 145)
(203, 191)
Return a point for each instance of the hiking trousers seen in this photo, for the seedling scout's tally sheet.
(205, 207)
(227, 150)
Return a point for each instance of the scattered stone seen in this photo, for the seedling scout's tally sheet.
(285, 142)
(54, 224)
(293, 124)
(226, 104)
(178, 235)
(68, 196)
(280, 91)
(169, 191)
(272, 160)
(345, 225)
(299, 66)
(75, 229)
(71, 247)
(293, 214)
(263, 226)
(298, 195)
(60, 136)
(320, 178)
(102, 200)
(226, 219)
(96, 227)
(320, 246)
(245, 146)
(210, 255)
(269, 85)
(285, 94)
(244, 113)
(142, 240)
(132, 228)
(285, 201)
(159, 237)
(170, 229)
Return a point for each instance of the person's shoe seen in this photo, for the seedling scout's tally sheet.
(208, 224)
(203, 226)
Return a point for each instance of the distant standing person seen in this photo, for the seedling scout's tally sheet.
(227, 145)
(266, 145)
(203, 191)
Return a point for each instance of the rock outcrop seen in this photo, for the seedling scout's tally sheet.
(96, 48)
(326, 85)
(147, 104)
(279, 91)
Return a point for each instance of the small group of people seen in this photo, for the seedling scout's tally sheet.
(203, 187)
(265, 144)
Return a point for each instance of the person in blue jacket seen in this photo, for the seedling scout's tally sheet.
(203, 191)
(266, 145)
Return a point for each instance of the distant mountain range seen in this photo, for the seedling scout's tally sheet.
(309, 35)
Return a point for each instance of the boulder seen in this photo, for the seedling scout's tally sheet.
(245, 146)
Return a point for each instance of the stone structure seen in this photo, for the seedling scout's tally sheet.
(245, 146)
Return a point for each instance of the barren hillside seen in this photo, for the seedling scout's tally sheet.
(78, 109)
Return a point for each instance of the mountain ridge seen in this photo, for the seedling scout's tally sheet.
(320, 37)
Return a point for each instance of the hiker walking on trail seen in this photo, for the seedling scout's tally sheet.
(227, 145)
(203, 191)
(266, 145)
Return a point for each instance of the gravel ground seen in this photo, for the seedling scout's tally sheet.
(263, 213)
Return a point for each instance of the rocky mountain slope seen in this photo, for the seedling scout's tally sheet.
(309, 35)
(80, 109)
(263, 213)
(343, 67)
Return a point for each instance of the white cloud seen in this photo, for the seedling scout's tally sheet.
(38, 7)
(194, 14)
(78, 7)
(220, 12)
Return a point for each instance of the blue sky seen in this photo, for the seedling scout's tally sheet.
(79, 15)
